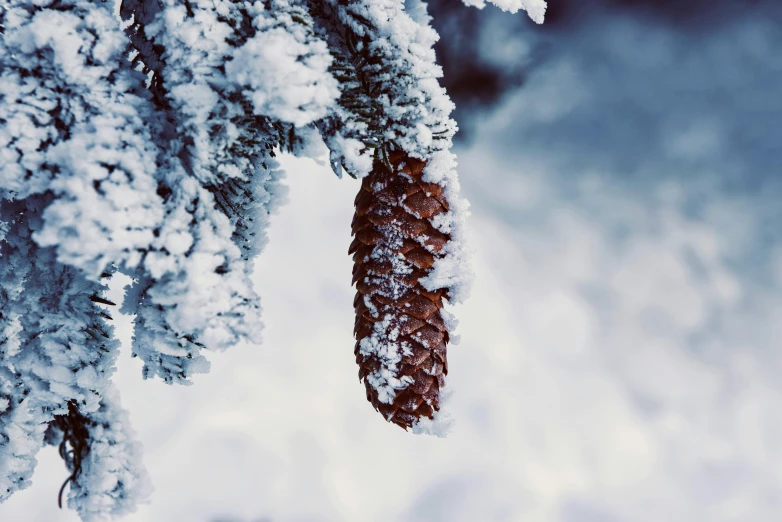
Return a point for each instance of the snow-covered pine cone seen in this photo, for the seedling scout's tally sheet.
(400, 333)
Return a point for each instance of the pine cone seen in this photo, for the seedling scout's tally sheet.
(400, 333)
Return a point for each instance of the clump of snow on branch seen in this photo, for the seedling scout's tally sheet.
(283, 69)
(77, 130)
(197, 289)
(418, 11)
(107, 477)
(387, 65)
(536, 9)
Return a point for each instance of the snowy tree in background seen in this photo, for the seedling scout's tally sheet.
(146, 144)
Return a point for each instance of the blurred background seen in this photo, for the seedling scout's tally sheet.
(621, 354)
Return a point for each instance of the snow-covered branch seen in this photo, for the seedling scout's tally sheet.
(148, 145)
(235, 81)
(59, 346)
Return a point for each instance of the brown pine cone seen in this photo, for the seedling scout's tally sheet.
(400, 333)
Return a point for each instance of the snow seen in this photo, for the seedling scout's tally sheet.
(195, 291)
(442, 423)
(383, 343)
(285, 71)
(398, 66)
(112, 481)
(106, 207)
(454, 270)
(350, 153)
(536, 9)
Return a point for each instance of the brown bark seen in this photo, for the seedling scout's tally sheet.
(399, 320)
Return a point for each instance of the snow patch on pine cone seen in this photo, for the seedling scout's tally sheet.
(384, 345)
(441, 424)
(453, 271)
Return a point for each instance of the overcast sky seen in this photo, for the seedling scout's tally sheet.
(620, 356)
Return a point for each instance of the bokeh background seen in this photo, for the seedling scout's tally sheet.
(620, 356)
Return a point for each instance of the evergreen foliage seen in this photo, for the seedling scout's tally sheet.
(147, 146)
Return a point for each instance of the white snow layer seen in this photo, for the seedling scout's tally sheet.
(536, 9)
(100, 170)
(285, 70)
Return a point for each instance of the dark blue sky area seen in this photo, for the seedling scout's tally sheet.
(477, 76)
